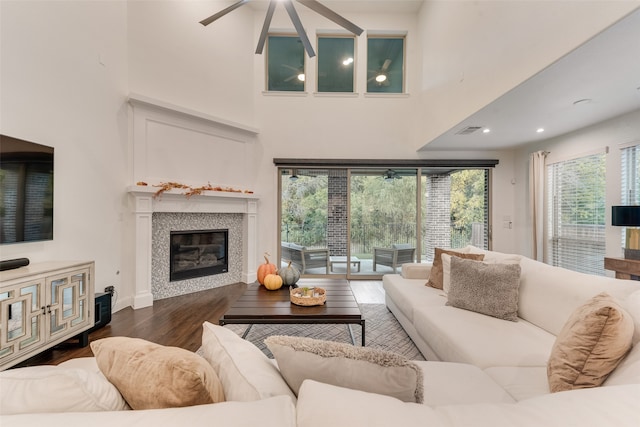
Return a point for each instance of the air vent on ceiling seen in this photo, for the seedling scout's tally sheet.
(468, 130)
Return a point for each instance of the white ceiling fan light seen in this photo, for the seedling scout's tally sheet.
(295, 20)
(382, 75)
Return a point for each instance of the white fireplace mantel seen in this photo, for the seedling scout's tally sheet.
(144, 204)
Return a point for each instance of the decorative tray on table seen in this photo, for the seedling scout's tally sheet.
(308, 296)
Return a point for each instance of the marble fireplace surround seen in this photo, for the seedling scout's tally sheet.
(211, 202)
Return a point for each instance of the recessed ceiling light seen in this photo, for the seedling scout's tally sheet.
(486, 130)
(540, 130)
(347, 61)
(582, 101)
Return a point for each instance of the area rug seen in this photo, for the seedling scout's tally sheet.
(382, 331)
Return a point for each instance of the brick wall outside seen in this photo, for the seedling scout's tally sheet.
(438, 224)
(337, 213)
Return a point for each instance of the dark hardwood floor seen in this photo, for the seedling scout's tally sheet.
(176, 321)
(173, 321)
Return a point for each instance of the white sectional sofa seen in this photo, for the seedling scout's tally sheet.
(482, 371)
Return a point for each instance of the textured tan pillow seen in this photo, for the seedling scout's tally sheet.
(436, 275)
(595, 338)
(150, 375)
(345, 365)
(485, 288)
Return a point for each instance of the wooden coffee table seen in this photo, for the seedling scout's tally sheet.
(260, 306)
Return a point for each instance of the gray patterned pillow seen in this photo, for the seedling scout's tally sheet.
(490, 289)
(345, 365)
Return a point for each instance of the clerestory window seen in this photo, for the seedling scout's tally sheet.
(385, 64)
(336, 64)
(285, 64)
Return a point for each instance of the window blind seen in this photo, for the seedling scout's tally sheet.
(631, 175)
(630, 182)
(576, 214)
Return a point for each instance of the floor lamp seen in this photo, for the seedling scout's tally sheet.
(628, 216)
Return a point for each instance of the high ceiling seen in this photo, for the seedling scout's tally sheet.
(604, 72)
(357, 6)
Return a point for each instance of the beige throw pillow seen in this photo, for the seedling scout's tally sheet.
(595, 338)
(485, 288)
(150, 375)
(345, 365)
(436, 275)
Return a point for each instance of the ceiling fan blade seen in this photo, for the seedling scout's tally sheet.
(385, 65)
(288, 79)
(223, 12)
(295, 19)
(332, 16)
(265, 27)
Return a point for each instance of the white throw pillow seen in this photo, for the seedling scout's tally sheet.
(39, 389)
(246, 373)
(345, 365)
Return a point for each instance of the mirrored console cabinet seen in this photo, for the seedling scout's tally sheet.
(42, 305)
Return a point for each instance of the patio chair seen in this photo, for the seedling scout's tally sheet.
(395, 256)
(303, 258)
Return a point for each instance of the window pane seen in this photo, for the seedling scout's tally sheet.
(285, 64)
(576, 211)
(631, 175)
(630, 157)
(455, 209)
(335, 64)
(383, 218)
(385, 65)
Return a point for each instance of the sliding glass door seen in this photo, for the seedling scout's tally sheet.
(358, 222)
(382, 219)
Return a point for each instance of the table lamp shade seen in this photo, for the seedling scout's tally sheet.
(628, 216)
(625, 216)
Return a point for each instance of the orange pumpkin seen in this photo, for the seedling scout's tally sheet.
(266, 268)
(272, 282)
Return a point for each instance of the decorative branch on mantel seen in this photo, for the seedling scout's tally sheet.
(190, 191)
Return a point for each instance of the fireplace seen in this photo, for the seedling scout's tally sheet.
(198, 253)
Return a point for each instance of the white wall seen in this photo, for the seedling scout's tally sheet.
(611, 133)
(63, 84)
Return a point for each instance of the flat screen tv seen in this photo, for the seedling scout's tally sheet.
(26, 191)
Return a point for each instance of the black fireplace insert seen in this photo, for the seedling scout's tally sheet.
(197, 253)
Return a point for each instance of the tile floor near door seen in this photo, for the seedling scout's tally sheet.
(367, 291)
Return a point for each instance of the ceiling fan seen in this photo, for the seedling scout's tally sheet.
(390, 175)
(295, 19)
(298, 73)
(381, 76)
